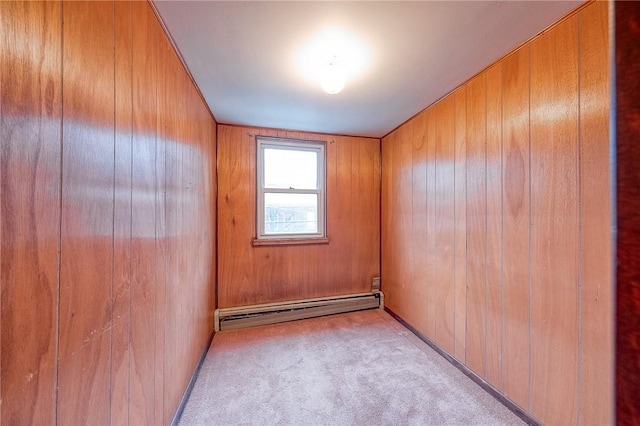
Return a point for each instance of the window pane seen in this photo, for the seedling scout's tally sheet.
(290, 168)
(290, 213)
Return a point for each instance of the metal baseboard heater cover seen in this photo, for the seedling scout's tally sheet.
(272, 313)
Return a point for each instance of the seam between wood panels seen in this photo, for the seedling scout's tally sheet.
(166, 280)
(500, 59)
(466, 233)
(466, 221)
(113, 223)
(580, 223)
(502, 381)
(455, 221)
(613, 178)
(130, 268)
(486, 236)
(530, 238)
(436, 286)
(155, 223)
(60, 193)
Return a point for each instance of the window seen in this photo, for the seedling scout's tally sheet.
(290, 190)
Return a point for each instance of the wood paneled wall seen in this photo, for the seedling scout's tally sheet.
(107, 206)
(252, 275)
(496, 223)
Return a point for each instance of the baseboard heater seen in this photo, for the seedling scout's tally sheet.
(272, 313)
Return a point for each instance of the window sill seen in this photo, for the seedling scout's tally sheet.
(288, 241)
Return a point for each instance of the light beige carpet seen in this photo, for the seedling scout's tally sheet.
(361, 368)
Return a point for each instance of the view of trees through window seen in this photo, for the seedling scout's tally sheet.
(291, 179)
(290, 213)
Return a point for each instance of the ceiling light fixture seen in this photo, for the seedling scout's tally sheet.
(332, 56)
(332, 79)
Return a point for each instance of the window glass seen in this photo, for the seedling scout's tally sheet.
(290, 189)
(288, 168)
(290, 213)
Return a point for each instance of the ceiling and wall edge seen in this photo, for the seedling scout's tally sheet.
(179, 55)
(306, 132)
(188, 71)
(501, 58)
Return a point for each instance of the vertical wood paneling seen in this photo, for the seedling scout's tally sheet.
(211, 163)
(97, 155)
(387, 261)
(251, 275)
(554, 202)
(460, 226)
(391, 275)
(419, 219)
(342, 205)
(30, 118)
(494, 227)
(516, 216)
(122, 216)
(236, 204)
(143, 262)
(532, 263)
(172, 136)
(596, 263)
(86, 269)
(476, 225)
(275, 258)
(365, 247)
(431, 223)
(445, 219)
(404, 220)
(167, 72)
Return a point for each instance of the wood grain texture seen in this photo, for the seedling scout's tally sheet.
(476, 225)
(554, 221)
(431, 289)
(30, 145)
(366, 195)
(250, 275)
(419, 219)
(143, 222)
(339, 202)
(236, 202)
(86, 274)
(122, 215)
(167, 74)
(627, 122)
(518, 143)
(104, 155)
(460, 227)
(396, 243)
(494, 318)
(172, 85)
(445, 222)
(516, 231)
(387, 261)
(404, 222)
(596, 262)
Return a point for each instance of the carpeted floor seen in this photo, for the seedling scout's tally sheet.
(361, 368)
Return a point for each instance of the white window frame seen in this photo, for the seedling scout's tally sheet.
(263, 142)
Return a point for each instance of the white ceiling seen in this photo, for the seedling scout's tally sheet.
(243, 56)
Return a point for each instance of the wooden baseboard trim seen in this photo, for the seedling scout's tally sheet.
(185, 396)
(512, 406)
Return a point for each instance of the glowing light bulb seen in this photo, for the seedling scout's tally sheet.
(332, 79)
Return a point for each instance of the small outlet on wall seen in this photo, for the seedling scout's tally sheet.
(376, 284)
